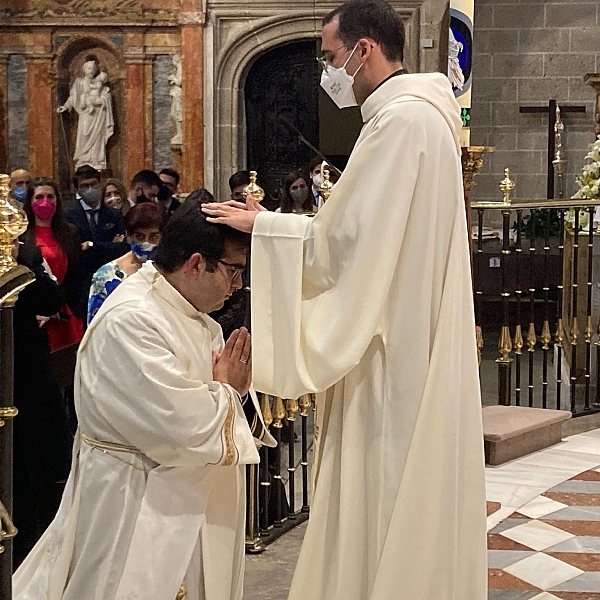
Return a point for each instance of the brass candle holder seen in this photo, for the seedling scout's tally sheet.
(326, 185)
(254, 189)
(507, 185)
(13, 223)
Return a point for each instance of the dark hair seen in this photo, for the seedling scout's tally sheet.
(64, 233)
(188, 232)
(122, 192)
(374, 19)
(146, 178)
(238, 179)
(85, 172)
(287, 202)
(171, 173)
(314, 163)
(144, 216)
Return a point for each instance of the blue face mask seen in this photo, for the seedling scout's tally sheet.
(144, 251)
(20, 194)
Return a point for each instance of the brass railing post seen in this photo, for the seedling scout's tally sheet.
(13, 278)
(505, 343)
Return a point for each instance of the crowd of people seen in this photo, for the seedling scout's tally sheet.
(80, 254)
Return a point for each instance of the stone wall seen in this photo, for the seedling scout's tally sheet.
(526, 53)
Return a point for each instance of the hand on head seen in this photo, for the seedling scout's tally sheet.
(234, 364)
(235, 214)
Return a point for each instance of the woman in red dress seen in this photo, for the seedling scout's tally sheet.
(59, 243)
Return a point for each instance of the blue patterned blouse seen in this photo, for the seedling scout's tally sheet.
(105, 281)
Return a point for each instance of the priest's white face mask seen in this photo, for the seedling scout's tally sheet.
(339, 85)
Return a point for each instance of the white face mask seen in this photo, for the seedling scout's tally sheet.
(339, 85)
(317, 180)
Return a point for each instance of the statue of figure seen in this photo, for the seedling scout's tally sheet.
(91, 100)
(177, 99)
(455, 73)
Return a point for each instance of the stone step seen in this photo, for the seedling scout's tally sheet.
(510, 432)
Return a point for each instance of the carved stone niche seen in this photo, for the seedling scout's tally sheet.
(69, 60)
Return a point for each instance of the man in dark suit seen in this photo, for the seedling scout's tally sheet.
(170, 180)
(100, 228)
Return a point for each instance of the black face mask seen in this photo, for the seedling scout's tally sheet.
(142, 198)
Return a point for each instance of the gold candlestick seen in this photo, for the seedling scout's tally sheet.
(13, 222)
(326, 185)
(254, 189)
(507, 185)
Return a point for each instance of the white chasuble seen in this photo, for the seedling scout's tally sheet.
(156, 493)
(371, 301)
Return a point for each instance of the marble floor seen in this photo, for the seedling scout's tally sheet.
(544, 542)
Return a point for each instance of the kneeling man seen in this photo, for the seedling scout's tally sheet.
(155, 503)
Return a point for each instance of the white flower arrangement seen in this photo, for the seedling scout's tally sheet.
(589, 187)
(589, 180)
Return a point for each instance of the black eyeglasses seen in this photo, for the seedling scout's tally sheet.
(235, 270)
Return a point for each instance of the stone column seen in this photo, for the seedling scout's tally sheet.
(192, 152)
(40, 116)
(3, 113)
(132, 136)
(136, 137)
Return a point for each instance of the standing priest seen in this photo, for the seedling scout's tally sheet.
(371, 302)
(155, 504)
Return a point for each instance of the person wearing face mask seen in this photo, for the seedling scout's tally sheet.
(143, 229)
(145, 187)
(369, 304)
(295, 195)
(316, 178)
(100, 228)
(19, 180)
(114, 196)
(60, 246)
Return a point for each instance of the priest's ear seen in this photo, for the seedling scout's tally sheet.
(364, 47)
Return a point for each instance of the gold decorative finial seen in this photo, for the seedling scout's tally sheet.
(507, 185)
(292, 409)
(305, 403)
(480, 342)
(546, 336)
(518, 343)
(13, 223)
(505, 344)
(326, 185)
(531, 338)
(278, 412)
(254, 189)
(265, 408)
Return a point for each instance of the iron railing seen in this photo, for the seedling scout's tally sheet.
(537, 269)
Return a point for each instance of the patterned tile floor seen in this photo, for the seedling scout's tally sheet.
(549, 548)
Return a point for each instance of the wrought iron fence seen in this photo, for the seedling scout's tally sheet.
(538, 264)
(273, 496)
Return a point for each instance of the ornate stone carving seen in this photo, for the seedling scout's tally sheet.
(90, 98)
(121, 10)
(175, 80)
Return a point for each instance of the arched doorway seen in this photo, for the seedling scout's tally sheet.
(286, 110)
